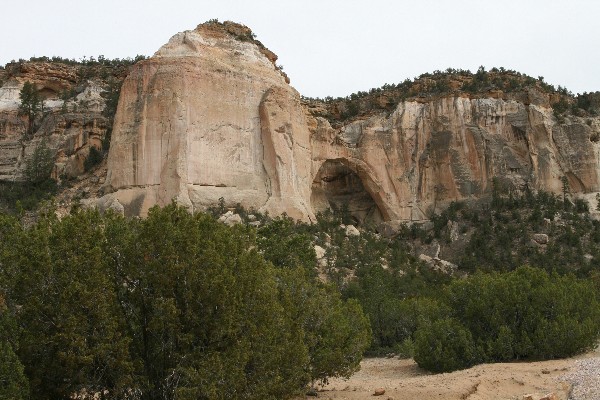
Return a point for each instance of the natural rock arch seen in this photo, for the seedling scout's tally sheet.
(342, 182)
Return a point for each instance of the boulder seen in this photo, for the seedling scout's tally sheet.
(540, 238)
(390, 229)
(438, 264)
(321, 259)
(352, 231)
(425, 258)
(230, 219)
(320, 252)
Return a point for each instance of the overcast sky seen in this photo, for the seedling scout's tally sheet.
(332, 47)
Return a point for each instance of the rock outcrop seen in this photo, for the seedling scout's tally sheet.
(68, 127)
(453, 148)
(210, 116)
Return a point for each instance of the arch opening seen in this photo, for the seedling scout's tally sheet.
(47, 93)
(338, 187)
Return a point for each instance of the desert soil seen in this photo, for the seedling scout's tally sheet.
(403, 379)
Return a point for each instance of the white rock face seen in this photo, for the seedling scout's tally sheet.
(426, 154)
(9, 96)
(91, 98)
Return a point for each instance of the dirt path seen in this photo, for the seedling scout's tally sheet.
(403, 379)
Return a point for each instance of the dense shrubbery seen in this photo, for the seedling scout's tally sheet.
(286, 244)
(181, 306)
(13, 383)
(408, 304)
(85, 61)
(172, 306)
(500, 234)
(25, 195)
(445, 345)
(527, 313)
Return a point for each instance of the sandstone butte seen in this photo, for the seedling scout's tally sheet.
(211, 116)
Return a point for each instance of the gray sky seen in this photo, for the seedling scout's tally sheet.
(332, 47)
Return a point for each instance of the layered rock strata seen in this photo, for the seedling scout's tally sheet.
(67, 127)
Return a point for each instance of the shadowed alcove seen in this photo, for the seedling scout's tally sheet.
(337, 186)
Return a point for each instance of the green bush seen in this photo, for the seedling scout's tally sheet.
(445, 346)
(39, 166)
(548, 315)
(30, 105)
(72, 330)
(527, 313)
(205, 309)
(174, 306)
(283, 243)
(16, 195)
(335, 332)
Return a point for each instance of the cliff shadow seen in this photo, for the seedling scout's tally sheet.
(338, 186)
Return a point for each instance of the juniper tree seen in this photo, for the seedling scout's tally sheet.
(38, 167)
(31, 104)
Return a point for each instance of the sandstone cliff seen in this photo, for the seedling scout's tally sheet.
(69, 124)
(452, 148)
(211, 116)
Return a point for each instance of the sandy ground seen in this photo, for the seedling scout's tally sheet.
(403, 379)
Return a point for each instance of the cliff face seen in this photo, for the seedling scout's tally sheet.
(452, 148)
(68, 126)
(210, 116)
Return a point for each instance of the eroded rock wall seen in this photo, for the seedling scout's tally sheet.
(68, 127)
(452, 148)
(211, 116)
